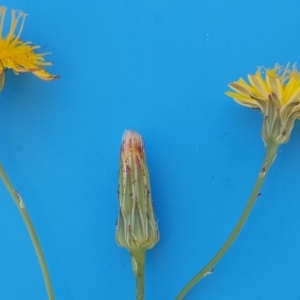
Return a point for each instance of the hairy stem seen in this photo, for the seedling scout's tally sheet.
(34, 238)
(271, 151)
(138, 264)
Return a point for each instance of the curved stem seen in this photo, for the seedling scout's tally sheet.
(34, 238)
(138, 264)
(271, 151)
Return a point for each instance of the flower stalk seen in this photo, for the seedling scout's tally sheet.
(138, 263)
(271, 151)
(32, 233)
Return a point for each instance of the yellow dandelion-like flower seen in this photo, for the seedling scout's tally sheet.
(18, 55)
(276, 93)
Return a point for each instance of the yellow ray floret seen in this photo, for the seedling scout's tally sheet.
(18, 55)
(282, 84)
(276, 93)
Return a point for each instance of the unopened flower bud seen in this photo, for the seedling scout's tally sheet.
(136, 224)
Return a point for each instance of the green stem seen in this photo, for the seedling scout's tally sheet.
(34, 238)
(271, 151)
(138, 264)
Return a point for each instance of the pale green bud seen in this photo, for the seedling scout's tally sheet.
(136, 224)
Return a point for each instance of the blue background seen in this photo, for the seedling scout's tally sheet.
(160, 67)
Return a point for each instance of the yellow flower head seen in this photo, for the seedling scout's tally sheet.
(276, 93)
(18, 55)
